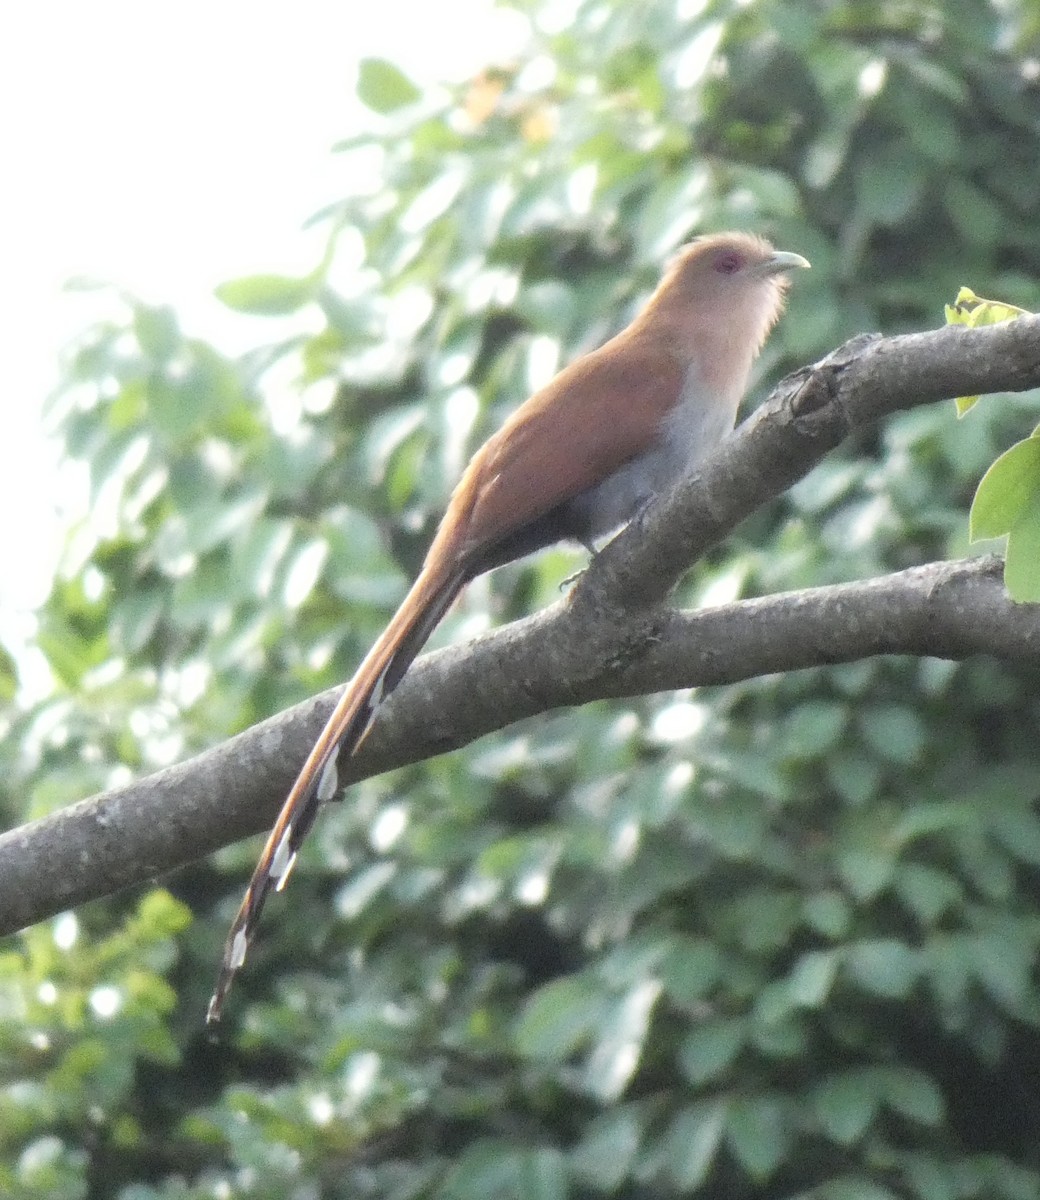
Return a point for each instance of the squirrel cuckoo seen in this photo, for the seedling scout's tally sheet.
(576, 460)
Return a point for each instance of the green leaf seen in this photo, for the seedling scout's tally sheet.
(780, 1036)
(605, 1155)
(1002, 962)
(180, 407)
(8, 677)
(1017, 828)
(888, 186)
(828, 913)
(160, 915)
(621, 1035)
(558, 1018)
(541, 1175)
(972, 310)
(883, 966)
(766, 917)
(854, 776)
(973, 212)
(157, 331)
(923, 820)
(1022, 557)
(812, 728)
(911, 1093)
(773, 1006)
(850, 1187)
(709, 1049)
(383, 87)
(810, 981)
(931, 1178)
(928, 891)
(303, 568)
(894, 731)
(50, 1169)
(485, 1168)
(691, 969)
(995, 1175)
(268, 295)
(692, 1141)
(758, 1133)
(1009, 488)
(845, 1105)
(865, 853)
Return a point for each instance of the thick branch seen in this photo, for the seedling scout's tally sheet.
(807, 415)
(610, 638)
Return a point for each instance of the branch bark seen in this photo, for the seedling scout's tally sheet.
(613, 636)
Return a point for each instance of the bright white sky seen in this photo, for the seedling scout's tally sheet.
(165, 148)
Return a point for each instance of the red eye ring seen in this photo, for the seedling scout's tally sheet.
(728, 262)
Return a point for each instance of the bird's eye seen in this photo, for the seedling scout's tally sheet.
(728, 262)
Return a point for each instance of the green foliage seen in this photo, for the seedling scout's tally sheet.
(971, 310)
(1007, 502)
(82, 1017)
(383, 87)
(773, 940)
(268, 295)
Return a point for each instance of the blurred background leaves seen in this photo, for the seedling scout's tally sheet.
(772, 940)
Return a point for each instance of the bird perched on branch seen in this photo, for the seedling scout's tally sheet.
(575, 461)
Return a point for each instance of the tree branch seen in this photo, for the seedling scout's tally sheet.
(611, 637)
(808, 414)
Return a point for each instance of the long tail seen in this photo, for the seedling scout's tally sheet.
(378, 675)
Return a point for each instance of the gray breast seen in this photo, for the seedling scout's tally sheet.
(687, 434)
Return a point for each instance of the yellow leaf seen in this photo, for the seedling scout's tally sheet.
(972, 311)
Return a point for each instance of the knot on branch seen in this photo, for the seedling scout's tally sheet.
(817, 387)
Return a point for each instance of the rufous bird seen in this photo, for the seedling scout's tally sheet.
(575, 461)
